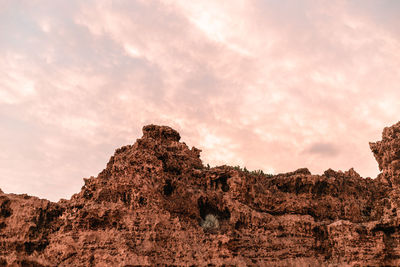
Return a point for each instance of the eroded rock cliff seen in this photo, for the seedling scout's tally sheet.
(156, 203)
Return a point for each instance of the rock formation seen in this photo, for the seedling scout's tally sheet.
(156, 203)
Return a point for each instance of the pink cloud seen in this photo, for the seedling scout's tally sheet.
(271, 85)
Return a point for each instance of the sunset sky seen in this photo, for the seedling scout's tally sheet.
(271, 85)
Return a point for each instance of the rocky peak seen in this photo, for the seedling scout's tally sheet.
(162, 133)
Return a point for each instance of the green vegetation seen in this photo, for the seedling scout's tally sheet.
(210, 222)
(255, 172)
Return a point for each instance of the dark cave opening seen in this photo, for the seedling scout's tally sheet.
(207, 207)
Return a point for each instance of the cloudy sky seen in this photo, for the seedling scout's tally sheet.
(266, 84)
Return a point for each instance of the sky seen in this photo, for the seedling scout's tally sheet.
(270, 85)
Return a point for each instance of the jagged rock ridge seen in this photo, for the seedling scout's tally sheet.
(155, 203)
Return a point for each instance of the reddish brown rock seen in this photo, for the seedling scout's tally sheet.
(155, 203)
(387, 153)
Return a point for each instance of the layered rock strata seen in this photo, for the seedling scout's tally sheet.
(156, 203)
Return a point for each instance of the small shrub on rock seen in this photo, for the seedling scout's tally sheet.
(210, 222)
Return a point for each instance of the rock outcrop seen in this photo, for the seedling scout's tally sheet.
(156, 203)
(387, 153)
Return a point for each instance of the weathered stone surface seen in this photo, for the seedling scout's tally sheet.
(387, 153)
(155, 203)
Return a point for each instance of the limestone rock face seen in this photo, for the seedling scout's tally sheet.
(156, 203)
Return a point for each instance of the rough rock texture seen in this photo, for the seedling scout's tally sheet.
(156, 203)
(387, 153)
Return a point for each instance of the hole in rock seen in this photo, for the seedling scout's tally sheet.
(206, 207)
(239, 224)
(221, 182)
(5, 209)
(386, 229)
(30, 247)
(142, 201)
(168, 188)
